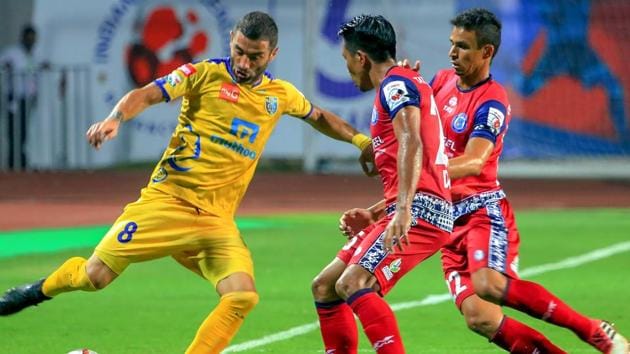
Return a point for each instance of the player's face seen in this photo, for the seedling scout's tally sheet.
(466, 58)
(358, 68)
(249, 57)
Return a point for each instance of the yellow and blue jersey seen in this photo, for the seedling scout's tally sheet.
(222, 130)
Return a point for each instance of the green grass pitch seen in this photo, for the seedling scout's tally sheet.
(155, 307)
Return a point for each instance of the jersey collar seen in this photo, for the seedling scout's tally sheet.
(480, 83)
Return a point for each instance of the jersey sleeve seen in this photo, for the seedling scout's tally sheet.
(296, 104)
(182, 81)
(398, 92)
(489, 120)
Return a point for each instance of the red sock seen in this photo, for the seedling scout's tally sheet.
(379, 323)
(516, 337)
(338, 327)
(538, 302)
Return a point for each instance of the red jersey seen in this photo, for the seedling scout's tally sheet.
(482, 111)
(400, 88)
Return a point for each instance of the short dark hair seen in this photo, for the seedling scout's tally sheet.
(371, 34)
(485, 25)
(258, 25)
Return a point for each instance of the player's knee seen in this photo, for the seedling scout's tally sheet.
(99, 274)
(241, 302)
(323, 288)
(479, 323)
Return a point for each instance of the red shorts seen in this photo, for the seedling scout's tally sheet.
(485, 238)
(366, 249)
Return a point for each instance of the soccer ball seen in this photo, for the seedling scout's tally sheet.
(82, 351)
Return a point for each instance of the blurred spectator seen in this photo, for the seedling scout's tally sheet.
(20, 65)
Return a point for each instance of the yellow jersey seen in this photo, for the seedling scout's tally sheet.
(222, 130)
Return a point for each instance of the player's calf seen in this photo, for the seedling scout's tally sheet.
(20, 297)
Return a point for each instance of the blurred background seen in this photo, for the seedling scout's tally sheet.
(562, 62)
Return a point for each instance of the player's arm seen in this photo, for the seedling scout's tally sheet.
(129, 106)
(333, 126)
(407, 130)
(489, 125)
(471, 163)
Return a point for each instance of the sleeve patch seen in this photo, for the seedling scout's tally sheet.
(495, 120)
(173, 79)
(395, 93)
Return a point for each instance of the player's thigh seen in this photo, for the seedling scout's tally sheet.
(492, 239)
(154, 226)
(456, 274)
(221, 256)
(388, 268)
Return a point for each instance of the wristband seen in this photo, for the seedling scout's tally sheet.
(361, 141)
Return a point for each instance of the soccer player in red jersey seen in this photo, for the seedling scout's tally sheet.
(408, 141)
(480, 261)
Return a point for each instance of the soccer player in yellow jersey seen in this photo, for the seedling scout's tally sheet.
(229, 109)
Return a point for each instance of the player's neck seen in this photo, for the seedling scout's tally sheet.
(379, 70)
(471, 80)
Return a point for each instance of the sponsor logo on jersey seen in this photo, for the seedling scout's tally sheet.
(187, 69)
(229, 92)
(452, 101)
(377, 141)
(271, 104)
(395, 94)
(387, 273)
(459, 122)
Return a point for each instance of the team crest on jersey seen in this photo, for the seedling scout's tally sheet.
(459, 122)
(374, 118)
(160, 175)
(271, 104)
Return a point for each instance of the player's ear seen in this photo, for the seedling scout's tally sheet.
(273, 54)
(363, 58)
(488, 51)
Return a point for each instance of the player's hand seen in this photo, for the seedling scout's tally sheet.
(102, 131)
(396, 232)
(367, 161)
(354, 220)
(405, 63)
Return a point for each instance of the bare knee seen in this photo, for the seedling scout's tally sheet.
(489, 285)
(323, 288)
(99, 274)
(352, 280)
(481, 316)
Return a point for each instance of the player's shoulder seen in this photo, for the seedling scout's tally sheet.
(496, 91)
(281, 86)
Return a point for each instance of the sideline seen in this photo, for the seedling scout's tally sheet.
(566, 263)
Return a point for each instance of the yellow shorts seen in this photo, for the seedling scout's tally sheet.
(159, 225)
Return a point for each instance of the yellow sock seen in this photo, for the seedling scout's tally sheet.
(221, 325)
(71, 276)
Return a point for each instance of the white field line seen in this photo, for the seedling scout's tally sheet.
(570, 262)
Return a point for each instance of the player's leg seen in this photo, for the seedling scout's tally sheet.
(483, 317)
(494, 279)
(373, 272)
(336, 319)
(227, 264)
